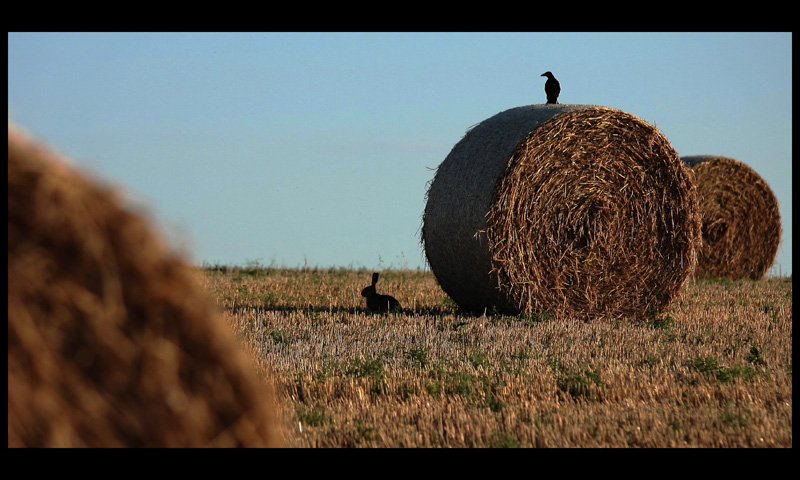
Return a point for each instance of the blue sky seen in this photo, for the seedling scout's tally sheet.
(314, 149)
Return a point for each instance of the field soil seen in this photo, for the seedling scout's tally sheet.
(714, 370)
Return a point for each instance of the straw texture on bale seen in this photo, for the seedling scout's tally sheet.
(111, 340)
(579, 210)
(740, 217)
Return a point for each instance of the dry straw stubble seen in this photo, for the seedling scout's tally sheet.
(579, 210)
(740, 217)
(111, 341)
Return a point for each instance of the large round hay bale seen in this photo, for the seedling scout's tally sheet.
(740, 217)
(111, 340)
(579, 210)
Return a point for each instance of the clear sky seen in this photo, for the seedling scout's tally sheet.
(293, 149)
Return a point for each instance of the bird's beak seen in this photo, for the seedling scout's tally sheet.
(542, 75)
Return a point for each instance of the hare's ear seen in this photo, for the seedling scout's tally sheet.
(375, 277)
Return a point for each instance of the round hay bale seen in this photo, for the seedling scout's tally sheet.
(111, 340)
(740, 217)
(578, 210)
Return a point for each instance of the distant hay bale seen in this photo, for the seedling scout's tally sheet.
(111, 341)
(579, 210)
(740, 217)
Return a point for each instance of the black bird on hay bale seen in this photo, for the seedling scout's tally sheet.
(551, 87)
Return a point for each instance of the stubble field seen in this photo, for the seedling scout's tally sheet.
(715, 370)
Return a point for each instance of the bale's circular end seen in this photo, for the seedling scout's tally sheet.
(741, 222)
(589, 213)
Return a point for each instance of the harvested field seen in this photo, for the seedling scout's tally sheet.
(713, 370)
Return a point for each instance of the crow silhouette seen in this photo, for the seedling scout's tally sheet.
(551, 87)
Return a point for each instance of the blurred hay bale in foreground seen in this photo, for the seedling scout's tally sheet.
(579, 210)
(740, 217)
(111, 342)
